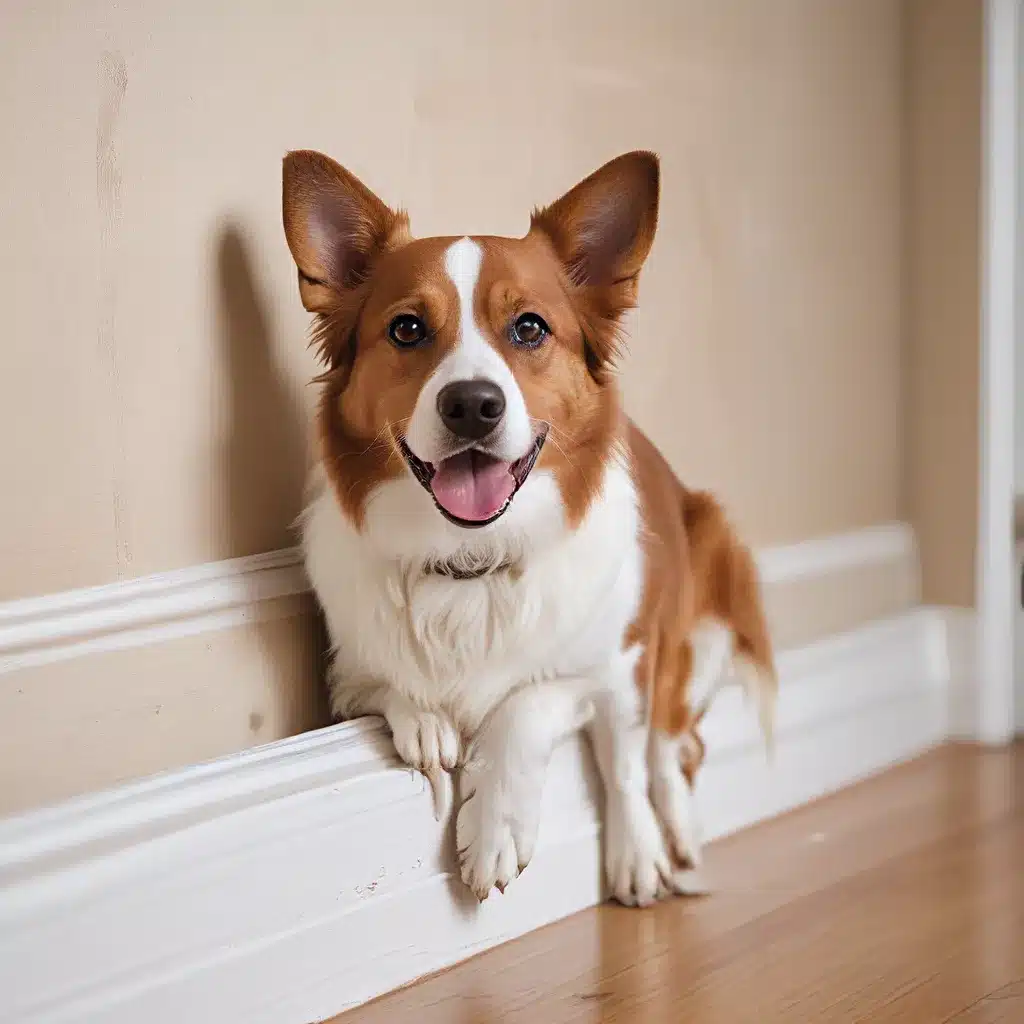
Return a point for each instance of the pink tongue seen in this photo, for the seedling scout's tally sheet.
(472, 486)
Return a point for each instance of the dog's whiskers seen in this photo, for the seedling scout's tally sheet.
(553, 433)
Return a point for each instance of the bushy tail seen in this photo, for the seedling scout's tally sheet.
(734, 597)
(754, 659)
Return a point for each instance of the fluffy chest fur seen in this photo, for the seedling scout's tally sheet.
(555, 606)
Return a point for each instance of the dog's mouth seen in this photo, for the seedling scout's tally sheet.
(473, 488)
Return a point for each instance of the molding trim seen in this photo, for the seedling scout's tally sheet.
(219, 595)
(290, 882)
(820, 556)
(1002, 257)
(151, 609)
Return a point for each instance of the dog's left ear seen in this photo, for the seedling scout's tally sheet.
(603, 228)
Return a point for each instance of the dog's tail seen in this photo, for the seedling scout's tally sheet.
(734, 598)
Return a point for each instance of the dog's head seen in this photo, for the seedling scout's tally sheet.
(468, 384)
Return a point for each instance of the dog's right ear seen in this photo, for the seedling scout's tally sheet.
(335, 227)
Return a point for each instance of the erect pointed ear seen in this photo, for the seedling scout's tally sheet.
(335, 226)
(603, 228)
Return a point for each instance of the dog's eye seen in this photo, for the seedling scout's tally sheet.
(529, 330)
(407, 331)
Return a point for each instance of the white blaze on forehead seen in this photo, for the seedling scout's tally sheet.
(462, 262)
(472, 358)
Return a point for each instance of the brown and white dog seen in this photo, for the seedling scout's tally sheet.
(503, 558)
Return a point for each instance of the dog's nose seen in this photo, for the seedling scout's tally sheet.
(471, 409)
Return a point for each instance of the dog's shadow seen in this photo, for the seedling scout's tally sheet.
(264, 461)
(466, 905)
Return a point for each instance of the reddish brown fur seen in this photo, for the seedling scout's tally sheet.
(578, 268)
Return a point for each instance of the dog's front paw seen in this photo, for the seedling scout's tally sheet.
(429, 742)
(425, 740)
(495, 833)
(488, 855)
(637, 864)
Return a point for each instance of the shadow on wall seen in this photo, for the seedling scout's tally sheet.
(264, 470)
(265, 458)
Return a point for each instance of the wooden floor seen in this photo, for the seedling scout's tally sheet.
(901, 899)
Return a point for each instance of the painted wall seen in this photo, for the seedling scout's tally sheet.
(154, 373)
(943, 40)
(1019, 405)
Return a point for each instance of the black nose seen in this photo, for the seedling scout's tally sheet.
(471, 409)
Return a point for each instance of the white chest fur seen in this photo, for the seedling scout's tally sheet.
(462, 645)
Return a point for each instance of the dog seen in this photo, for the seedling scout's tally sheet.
(502, 557)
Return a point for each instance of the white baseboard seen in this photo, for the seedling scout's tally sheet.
(285, 884)
(219, 595)
(954, 645)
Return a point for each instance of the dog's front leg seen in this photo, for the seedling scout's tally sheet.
(502, 779)
(638, 867)
(426, 740)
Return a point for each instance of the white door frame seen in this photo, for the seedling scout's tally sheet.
(1001, 239)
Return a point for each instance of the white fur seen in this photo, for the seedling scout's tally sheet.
(510, 661)
(636, 860)
(502, 780)
(713, 644)
(717, 665)
(672, 797)
(462, 646)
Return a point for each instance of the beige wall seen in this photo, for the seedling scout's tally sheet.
(942, 192)
(153, 366)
